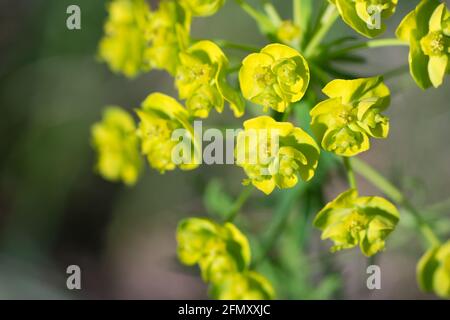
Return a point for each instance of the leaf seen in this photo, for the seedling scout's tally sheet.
(216, 201)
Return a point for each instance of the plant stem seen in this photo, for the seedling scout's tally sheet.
(396, 195)
(264, 22)
(232, 45)
(440, 206)
(272, 13)
(350, 173)
(327, 20)
(377, 43)
(240, 201)
(279, 220)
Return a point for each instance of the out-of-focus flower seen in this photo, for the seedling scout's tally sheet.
(167, 34)
(427, 29)
(202, 7)
(124, 43)
(289, 33)
(116, 142)
(137, 39)
(364, 15)
(201, 79)
(350, 220)
(345, 122)
(433, 270)
(275, 77)
(273, 154)
(219, 250)
(160, 116)
(243, 286)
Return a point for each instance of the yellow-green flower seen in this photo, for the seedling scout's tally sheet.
(202, 7)
(350, 220)
(160, 116)
(219, 250)
(289, 33)
(201, 79)
(362, 15)
(167, 34)
(274, 154)
(433, 270)
(116, 142)
(124, 43)
(243, 286)
(427, 29)
(275, 77)
(345, 122)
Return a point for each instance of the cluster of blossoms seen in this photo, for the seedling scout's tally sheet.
(223, 254)
(361, 15)
(350, 220)
(345, 122)
(433, 270)
(427, 29)
(272, 153)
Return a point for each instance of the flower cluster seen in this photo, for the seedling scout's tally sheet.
(202, 7)
(223, 255)
(274, 154)
(201, 79)
(344, 123)
(124, 44)
(350, 220)
(272, 151)
(362, 15)
(275, 77)
(433, 270)
(116, 143)
(427, 29)
(160, 116)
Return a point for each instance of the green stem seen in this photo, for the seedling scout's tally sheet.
(265, 24)
(440, 206)
(396, 195)
(377, 43)
(327, 20)
(272, 13)
(297, 7)
(350, 173)
(279, 220)
(240, 201)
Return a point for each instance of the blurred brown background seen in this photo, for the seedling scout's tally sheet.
(54, 211)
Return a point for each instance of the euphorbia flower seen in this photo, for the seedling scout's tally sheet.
(116, 142)
(433, 270)
(138, 39)
(201, 79)
(275, 77)
(362, 15)
(160, 115)
(243, 286)
(350, 220)
(274, 154)
(289, 33)
(124, 43)
(427, 29)
(219, 250)
(202, 7)
(345, 122)
(167, 33)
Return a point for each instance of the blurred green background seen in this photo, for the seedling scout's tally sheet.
(54, 211)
